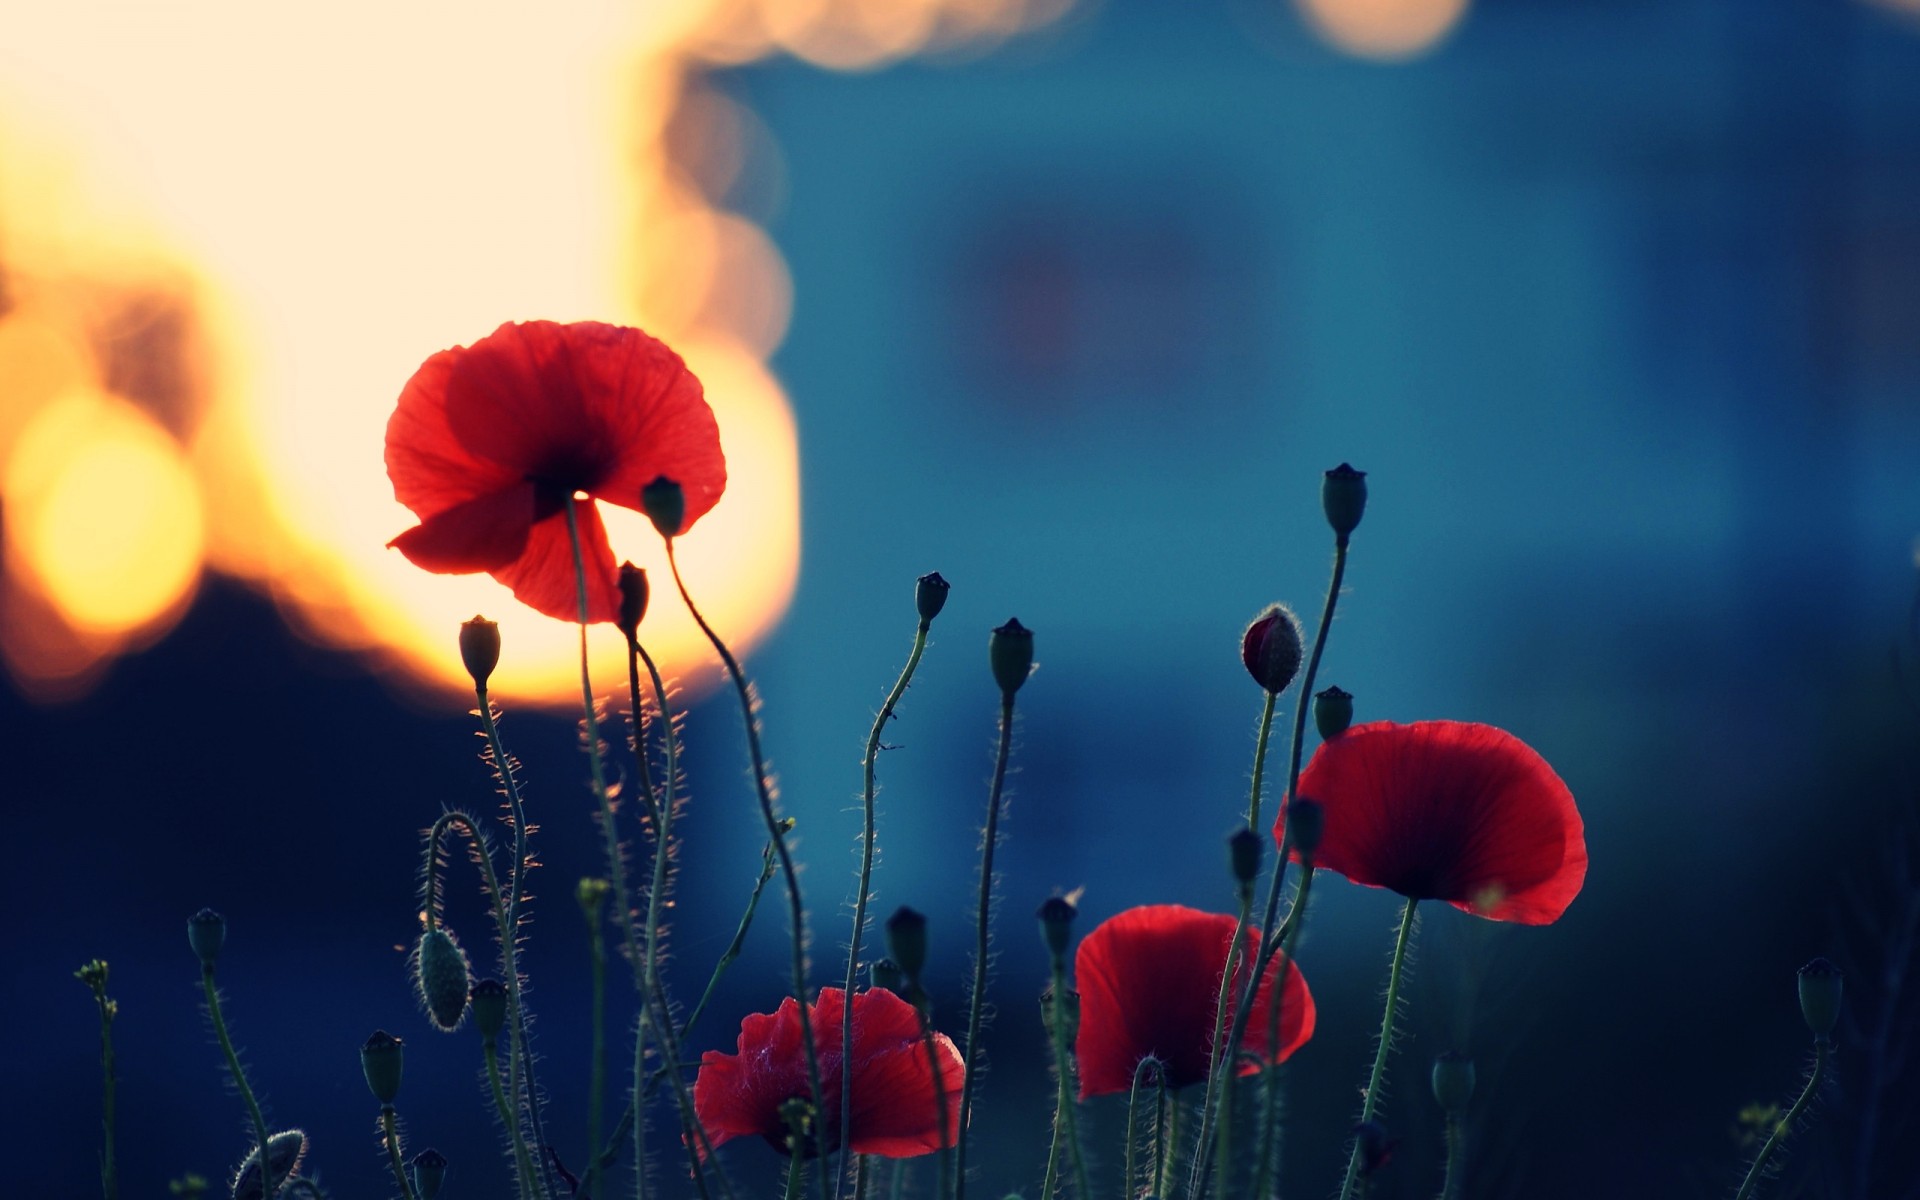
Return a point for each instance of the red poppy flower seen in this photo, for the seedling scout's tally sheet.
(1150, 985)
(489, 440)
(896, 1112)
(1446, 810)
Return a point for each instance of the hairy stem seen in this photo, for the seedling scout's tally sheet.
(1379, 1075)
(269, 1187)
(1782, 1129)
(983, 928)
(390, 1137)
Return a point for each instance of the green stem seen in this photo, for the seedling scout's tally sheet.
(1379, 1075)
(94, 975)
(1140, 1071)
(523, 1161)
(1270, 1105)
(899, 1177)
(269, 1187)
(1782, 1129)
(796, 1171)
(1216, 1114)
(390, 1135)
(1450, 1189)
(1163, 1167)
(1260, 760)
(1065, 1114)
(983, 927)
(868, 791)
(597, 1081)
(923, 1007)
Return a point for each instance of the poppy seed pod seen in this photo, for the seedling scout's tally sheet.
(930, 595)
(1306, 821)
(480, 648)
(1270, 648)
(633, 600)
(885, 973)
(489, 1000)
(1056, 924)
(1820, 985)
(1243, 855)
(1453, 1081)
(1010, 652)
(440, 974)
(207, 933)
(380, 1059)
(1332, 712)
(1343, 496)
(284, 1151)
(907, 941)
(429, 1172)
(665, 505)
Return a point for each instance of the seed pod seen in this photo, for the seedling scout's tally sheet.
(1343, 497)
(1453, 1080)
(665, 505)
(429, 1172)
(1056, 924)
(489, 1000)
(1820, 987)
(380, 1060)
(907, 941)
(441, 976)
(207, 933)
(930, 595)
(1332, 713)
(1010, 652)
(284, 1151)
(480, 649)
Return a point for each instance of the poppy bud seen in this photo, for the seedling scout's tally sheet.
(440, 973)
(206, 933)
(1306, 820)
(429, 1172)
(1056, 924)
(1343, 496)
(930, 595)
(1010, 651)
(907, 941)
(380, 1059)
(1453, 1082)
(1375, 1146)
(284, 1151)
(1243, 855)
(886, 974)
(1270, 648)
(591, 894)
(665, 505)
(1820, 984)
(480, 648)
(1332, 712)
(489, 1000)
(633, 600)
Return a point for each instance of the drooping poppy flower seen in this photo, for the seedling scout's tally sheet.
(896, 1111)
(1150, 985)
(1447, 810)
(490, 440)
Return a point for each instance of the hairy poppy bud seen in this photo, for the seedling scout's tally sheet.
(665, 505)
(1820, 984)
(633, 600)
(380, 1059)
(1056, 924)
(1010, 651)
(1306, 820)
(1270, 648)
(1343, 496)
(1375, 1146)
(930, 595)
(480, 648)
(440, 974)
(907, 941)
(1453, 1082)
(207, 933)
(489, 1000)
(1243, 855)
(1332, 713)
(429, 1172)
(886, 974)
(284, 1151)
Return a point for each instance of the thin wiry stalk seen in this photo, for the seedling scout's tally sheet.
(983, 926)
(1379, 1076)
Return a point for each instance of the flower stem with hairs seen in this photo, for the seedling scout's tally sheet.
(523, 1161)
(1065, 1119)
(1270, 1099)
(1783, 1128)
(269, 1187)
(94, 975)
(1379, 1075)
(978, 998)
(1140, 1072)
(390, 1137)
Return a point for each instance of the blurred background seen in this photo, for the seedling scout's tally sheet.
(1617, 303)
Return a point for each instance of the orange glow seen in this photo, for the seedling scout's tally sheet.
(1390, 30)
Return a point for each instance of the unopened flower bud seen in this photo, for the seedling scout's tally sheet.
(480, 648)
(1375, 1146)
(429, 1172)
(633, 600)
(284, 1151)
(1010, 651)
(1453, 1081)
(380, 1059)
(907, 941)
(1332, 713)
(1343, 496)
(930, 595)
(489, 1000)
(1056, 924)
(591, 893)
(206, 933)
(1243, 855)
(885, 973)
(665, 505)
(1306, 820)
(1270, 648)
(1820, 984)
(440, 975)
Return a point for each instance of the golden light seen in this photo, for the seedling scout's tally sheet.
(1390, 30)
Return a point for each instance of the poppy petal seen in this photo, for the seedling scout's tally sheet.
(432, 469)
(542, 577)
(896, 1110)
(482, 534)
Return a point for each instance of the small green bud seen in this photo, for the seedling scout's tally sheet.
(1306, 821)
(1820, 986)
(592, 893)
(930, 595)
(1010, 651)
(480, 649)
(489, 1000)
(1343, 496)
(907, 941)
(1453, 1081)
(440, 975)
(1056, 923)
(93, 974)
(886, 974)
(284, 1151)
(1270, 648)
(429, 1172)
(633, 600)
(665, 505)
(1332, 713)
(1243, 855)
(380, 1059)
(207, 933)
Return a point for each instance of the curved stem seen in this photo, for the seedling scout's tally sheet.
(268, 1186)
(1163, 1168)
(1260, 759)
(1823, 1048)
(1140, 1070)
(983, 928)
(390, 1135)
(1450, 1189)
(923, 1008)
(523, 1161)
(1065, 1117)
(1386, 1042)
(1216, 1114)
(1270, 1105)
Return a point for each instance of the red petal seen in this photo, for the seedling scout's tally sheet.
(1446, 810)
(482, 534)
(433, 470)
(739, 1094)
(896, 1110)
(543, 576)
